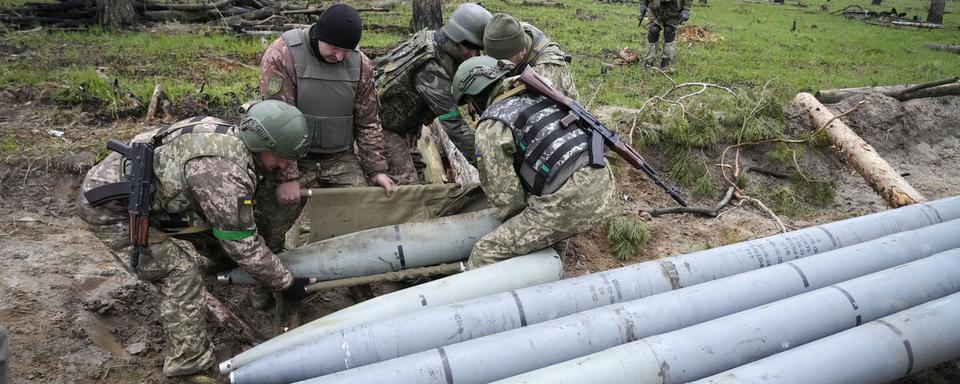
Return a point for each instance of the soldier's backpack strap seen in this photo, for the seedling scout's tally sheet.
(185, 129)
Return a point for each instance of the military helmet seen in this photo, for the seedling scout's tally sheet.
(273, 125)
(476, 74)
(466, 24)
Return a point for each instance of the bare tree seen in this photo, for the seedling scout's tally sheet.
(935, 15)
(426, 14)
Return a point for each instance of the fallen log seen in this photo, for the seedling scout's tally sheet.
(902, 92)
(190, 7)
(886, 181)
(916, 24)
(154, 101)
(941, 47)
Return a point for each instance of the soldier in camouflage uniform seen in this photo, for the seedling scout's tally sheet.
(413, 84)
(505, 38)
(205, 175)
(533, 170)
(666, 16)
(320, 70)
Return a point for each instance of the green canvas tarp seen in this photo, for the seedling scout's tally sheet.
(337, 211)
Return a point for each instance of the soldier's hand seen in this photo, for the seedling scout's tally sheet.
(384, 181)
(684, 15)
(288, 192)
(298, 289)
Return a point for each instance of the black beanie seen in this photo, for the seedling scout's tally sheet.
(339, 26)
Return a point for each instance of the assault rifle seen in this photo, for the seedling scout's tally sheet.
(137, 188)
(599, 134)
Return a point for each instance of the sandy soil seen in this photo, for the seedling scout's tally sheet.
(76, 317)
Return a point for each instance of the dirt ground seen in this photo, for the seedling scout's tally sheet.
(76, 317)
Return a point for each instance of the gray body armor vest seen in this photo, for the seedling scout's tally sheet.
(326, 94)
(402, 109)
(547, 152)
(174, 147)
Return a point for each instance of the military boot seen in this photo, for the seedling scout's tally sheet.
(650, 59)
(669, 50)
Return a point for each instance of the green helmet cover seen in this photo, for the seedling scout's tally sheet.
(476, 74)
(275, 126)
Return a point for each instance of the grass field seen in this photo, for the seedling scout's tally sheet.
(755, 45)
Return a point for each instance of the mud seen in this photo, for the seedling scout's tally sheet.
(75, 316)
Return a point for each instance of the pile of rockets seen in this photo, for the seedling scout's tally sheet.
(863, 300)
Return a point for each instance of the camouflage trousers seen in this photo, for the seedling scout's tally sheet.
(402, 155)
(587, 199)
(336, 170)
(168, 266)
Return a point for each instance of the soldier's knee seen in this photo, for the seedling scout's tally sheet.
(653, 34)
(669, 33)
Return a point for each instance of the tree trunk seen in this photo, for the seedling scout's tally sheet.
(427, 14)
(935, 15)
(875, 2)
(886, 181)
(116, 13)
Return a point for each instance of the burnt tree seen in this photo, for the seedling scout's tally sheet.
(116, 13)
(426, 14)
(935, 15)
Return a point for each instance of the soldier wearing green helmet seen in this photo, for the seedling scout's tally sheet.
(205, 174)
(533, 168)
(413, 84)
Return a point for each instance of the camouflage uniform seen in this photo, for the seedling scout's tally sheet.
(413, 84)
(549, 61)
(530, 222)
(665, 15)
(278, 80)
(200, 178)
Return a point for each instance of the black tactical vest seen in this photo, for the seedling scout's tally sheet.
(547, 152)
(326, 94)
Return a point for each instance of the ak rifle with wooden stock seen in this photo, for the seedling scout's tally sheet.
(137, 188)
(599, 134)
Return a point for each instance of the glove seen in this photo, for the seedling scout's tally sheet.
(297, 290)
(643, 12)
(684, 16)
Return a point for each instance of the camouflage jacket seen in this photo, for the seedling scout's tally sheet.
(668, 6)
(413, 84)
(277, 63)
(550, 61)
(218, 184)
(589, 192)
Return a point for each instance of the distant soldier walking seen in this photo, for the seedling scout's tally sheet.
(666, 16)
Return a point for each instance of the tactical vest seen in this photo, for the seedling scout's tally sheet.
(401, 107)
(547, 152)
(544, 51)
(180, 143)
(326, 94)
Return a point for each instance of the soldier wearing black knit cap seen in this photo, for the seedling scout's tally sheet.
(321, 71)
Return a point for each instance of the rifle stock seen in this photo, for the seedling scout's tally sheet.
(537, 83)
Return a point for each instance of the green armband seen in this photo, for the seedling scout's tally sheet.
(449, 115)
(226, 235)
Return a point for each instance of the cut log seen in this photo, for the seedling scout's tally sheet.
(154, 101)
(941, 47)
(434, 173)
(462, 171)
(903, 92)
(886, 181)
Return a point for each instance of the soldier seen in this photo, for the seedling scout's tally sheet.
(205, 175)
(666, 16)
(320, 70)
(413, 84)
(532, 168)
(506, 38)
